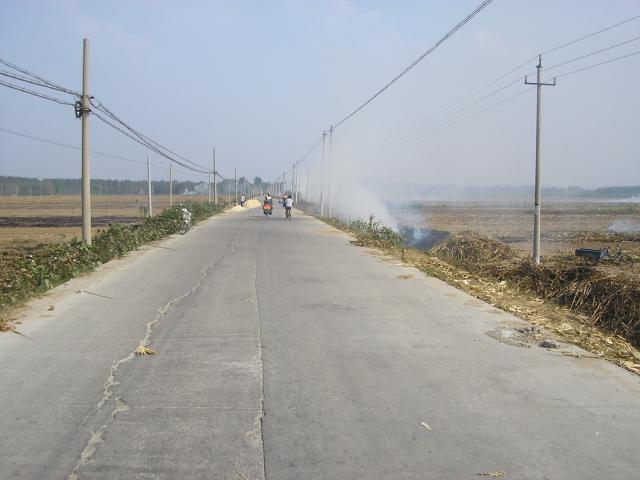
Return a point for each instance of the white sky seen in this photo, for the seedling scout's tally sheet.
(261, 80)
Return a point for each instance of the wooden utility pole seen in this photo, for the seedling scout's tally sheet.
(536, 211)
(86, 177)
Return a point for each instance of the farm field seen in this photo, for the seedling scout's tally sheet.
(29, 221)
(565, 225)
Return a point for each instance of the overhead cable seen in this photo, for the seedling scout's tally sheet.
(153, 148)
(100, 106)
(566, 74)
(589, 67)
(48, 83)
(526, 62)
(35, 93)
(449, 34)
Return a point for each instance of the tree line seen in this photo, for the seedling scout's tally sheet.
(25, 186)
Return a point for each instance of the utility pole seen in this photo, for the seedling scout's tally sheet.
(306, 188)
(324, 136)
(235, 178)
(86, 178)
(209, 191)
(330, 165)
(149, 185)
(215, 180)
(295, 194)
(170, 184)
(536, 211)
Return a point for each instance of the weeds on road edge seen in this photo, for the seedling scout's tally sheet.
(26, 272)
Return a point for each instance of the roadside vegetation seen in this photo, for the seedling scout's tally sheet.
(28, 271)
(596, 307)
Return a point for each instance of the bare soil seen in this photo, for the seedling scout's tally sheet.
(30, 221)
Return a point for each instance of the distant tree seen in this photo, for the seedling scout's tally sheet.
(257, 181)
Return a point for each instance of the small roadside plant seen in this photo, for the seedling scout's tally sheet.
(25, 272)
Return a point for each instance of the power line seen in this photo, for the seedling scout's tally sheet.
(456, 112)
(589, 67)
(33, 82)
(66, 145)
(589, 35)
(590, 54)
(462, 119)
(523, 64)
(504, 87)
(146, 144)
(566, 74)
(50, 84)
(95, 152)
(35, 93)
(449, 34)
(100, 106)
(137, 136)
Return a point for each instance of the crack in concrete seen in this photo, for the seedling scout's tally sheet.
(260, 416)
(109, 387)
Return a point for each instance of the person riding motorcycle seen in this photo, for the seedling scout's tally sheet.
(267, 206)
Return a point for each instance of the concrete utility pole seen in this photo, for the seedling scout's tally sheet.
(295, 190)
(324, 136)
(149, 185)
(536, 211)
(306, 188)
(209, 190)
(330, 165)
(215, 180)
(235, 178)
(86, 177)
(170, 184)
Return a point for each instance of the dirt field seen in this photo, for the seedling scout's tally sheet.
(29, 221)
(564, 225)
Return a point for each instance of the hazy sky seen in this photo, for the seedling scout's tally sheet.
(260, 80)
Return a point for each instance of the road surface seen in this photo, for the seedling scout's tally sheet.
(285, 352)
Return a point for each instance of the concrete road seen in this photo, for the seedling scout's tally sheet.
(284, 352)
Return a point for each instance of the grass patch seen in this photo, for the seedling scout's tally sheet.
(28, 271)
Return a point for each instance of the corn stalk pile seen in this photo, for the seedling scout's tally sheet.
(609, 298)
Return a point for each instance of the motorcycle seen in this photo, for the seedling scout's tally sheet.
(267, 208)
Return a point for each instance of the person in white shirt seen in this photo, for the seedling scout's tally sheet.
(288, 204)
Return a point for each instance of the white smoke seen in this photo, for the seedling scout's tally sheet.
(625, 225)
(358, 202)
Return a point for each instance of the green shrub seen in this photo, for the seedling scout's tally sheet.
(28, 271)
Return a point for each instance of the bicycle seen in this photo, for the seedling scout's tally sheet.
(287, 213)
(618, 256)
(185, 221)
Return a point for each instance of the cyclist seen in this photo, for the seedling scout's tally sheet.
(288, 204)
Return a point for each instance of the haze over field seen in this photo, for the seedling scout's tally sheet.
(262, 80)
